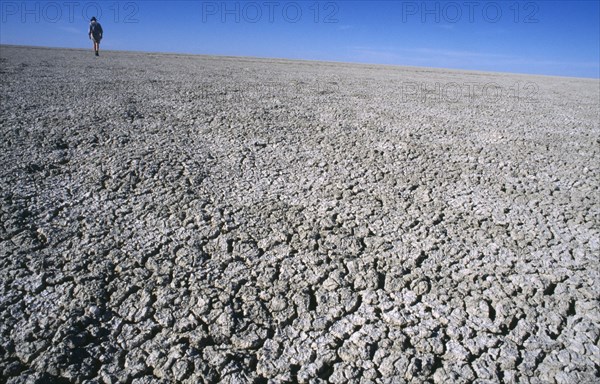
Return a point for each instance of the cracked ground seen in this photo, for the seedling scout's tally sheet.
(173, 218)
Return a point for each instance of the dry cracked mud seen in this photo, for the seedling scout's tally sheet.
(173, 218)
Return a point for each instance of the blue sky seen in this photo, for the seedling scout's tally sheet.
(538, 37)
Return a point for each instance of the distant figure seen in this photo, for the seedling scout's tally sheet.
(95, 34)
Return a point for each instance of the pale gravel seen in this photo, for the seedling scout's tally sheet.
(175, 218)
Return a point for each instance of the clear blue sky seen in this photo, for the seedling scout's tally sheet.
(540, 37)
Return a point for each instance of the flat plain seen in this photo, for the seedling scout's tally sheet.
(176, 218)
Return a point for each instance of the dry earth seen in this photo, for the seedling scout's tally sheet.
(172, 218)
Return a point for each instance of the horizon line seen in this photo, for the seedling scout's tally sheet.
(308, 60)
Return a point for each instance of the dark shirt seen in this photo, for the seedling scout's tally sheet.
(96, 30)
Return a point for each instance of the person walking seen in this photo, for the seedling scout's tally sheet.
(95, 34)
